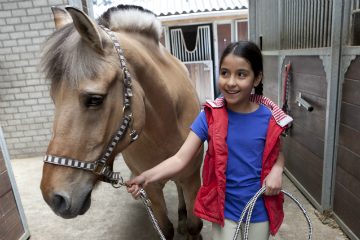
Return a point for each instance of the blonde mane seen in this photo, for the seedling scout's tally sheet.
(132, 19)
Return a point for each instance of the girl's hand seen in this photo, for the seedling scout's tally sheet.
(133, 186)
(273, 183)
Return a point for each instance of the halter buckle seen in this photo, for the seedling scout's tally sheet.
(133, 135)
(99, 166)
(129, 107)
(118, 183)
(126, 71)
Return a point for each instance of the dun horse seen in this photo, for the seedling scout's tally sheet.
(87, 89)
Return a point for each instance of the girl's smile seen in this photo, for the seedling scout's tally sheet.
(232, 92)
(236, 82)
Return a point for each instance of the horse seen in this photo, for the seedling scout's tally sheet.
(86, 82)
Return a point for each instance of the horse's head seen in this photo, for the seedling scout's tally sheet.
(87, 90)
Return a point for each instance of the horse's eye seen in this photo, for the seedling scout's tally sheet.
(94, 100)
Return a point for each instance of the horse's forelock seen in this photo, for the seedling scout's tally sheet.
(65, 55)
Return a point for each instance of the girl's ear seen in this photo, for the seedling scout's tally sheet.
(258, 79)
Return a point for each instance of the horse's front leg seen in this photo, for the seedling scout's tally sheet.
(155, 194)
(190, 186)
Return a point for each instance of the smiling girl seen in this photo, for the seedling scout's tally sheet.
(244, 153)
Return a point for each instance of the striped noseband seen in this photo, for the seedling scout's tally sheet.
(100, 167)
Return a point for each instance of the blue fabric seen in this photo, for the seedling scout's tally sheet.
(246, 142)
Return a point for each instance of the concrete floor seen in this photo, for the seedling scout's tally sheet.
(114, 215)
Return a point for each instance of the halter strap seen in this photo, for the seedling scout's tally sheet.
(99, 167)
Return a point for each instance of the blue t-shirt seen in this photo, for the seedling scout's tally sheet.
(246, 142)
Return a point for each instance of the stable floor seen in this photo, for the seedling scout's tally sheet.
(114, 215)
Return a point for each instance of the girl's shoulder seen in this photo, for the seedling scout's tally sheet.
(264, 110)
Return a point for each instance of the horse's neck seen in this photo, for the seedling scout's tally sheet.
(171, 103)
(146, 66)
(146, 60)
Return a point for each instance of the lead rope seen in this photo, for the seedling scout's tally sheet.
(147, 203)
(250, 206)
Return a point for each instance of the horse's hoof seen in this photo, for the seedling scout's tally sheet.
(182, 228)
(190, 237)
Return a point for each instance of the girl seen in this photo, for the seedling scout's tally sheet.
(242, 130)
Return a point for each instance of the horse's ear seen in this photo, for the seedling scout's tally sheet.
(89, 30)
(61, 17)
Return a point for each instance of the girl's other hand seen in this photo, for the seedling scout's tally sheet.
(133, 186)
(273, 183)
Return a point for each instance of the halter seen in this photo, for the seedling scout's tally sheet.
(99, 167)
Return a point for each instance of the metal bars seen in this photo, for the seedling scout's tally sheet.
(307, 23)
(202, 51)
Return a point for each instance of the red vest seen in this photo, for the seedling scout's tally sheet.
(210, 200)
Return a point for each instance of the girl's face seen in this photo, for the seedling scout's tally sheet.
(236, 80)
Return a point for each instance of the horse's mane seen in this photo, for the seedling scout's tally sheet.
(132, 18)
(66, 55)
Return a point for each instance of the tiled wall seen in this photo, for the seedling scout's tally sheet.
(26, 110)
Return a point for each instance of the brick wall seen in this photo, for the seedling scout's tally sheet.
(26, 110)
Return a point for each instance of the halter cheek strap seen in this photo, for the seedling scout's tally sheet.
(100, 167)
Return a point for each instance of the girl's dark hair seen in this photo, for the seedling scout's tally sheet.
(251, 52)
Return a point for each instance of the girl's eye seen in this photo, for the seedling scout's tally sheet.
(94, 100)
(242, 75)
(224, 73)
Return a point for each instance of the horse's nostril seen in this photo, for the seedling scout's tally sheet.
(61, 203)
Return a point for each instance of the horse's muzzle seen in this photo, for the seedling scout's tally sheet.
(66, 207)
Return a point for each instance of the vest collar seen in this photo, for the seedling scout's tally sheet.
(280, 117)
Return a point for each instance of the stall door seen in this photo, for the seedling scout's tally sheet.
(198, 60)
(13, 224)
(201, 76)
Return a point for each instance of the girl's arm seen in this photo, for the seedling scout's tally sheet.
(167, 168)
(273, 181)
